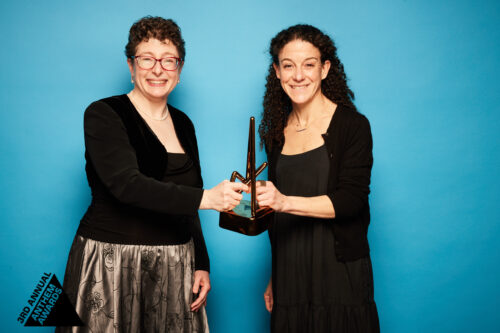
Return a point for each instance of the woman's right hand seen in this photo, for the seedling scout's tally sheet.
(224, 196)
(268, 296)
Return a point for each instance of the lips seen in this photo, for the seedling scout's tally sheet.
(157, 83)
(298, 87)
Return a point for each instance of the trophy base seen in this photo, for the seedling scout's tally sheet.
(244, 223)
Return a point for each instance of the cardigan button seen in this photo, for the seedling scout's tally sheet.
(336, 242)
(331, 155)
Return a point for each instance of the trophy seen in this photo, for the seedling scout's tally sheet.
(247, 218)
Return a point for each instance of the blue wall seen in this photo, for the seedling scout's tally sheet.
(424, 72)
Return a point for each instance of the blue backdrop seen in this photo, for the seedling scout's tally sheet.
(424, 72)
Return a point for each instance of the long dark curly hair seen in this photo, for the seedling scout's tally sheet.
(277, 105)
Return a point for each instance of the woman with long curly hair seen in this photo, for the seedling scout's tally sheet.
(319, 151)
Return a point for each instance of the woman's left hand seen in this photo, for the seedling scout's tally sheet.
(201, 280)
(268, 195)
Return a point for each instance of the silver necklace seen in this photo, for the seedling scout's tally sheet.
(298, 124)
(163, 117)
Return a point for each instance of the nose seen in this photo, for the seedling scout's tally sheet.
(298, 75)
(157, 68)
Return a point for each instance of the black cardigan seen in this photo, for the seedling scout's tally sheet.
(125, 166)
(348, 141)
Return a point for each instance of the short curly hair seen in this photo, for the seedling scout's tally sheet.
(154, 27)
(277, 104)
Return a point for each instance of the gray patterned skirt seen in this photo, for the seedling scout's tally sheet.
(132, 288)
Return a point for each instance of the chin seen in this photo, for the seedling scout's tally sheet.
(158, 94)
(298, 100)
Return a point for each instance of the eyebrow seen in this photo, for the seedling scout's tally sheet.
(310, 58)
(163, 55)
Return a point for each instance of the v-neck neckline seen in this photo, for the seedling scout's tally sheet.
(328, 129)
(132, 107)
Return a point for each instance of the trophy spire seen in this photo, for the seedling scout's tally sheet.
(239, 219)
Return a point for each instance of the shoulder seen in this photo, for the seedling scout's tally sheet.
(106, 106)
(273, 149)
(104, 113)
(350, 115)
(348, 126)
(181, 120)
(347, 119)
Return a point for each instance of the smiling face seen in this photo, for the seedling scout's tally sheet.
(300, 71)
(156, 83)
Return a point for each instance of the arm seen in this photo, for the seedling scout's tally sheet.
(201, 279)
(268, 296)
(201, 285)
(353, 187)
(320, 206)
(351, 192)
(115, 162)
(201, 260)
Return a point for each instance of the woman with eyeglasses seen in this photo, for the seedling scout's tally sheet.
(319, 151)
(139, 262)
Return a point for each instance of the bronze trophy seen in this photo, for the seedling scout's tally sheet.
(247, 218)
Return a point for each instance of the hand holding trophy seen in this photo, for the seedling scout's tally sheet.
(247, 218)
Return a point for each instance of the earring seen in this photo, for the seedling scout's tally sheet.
(132, 80)
(179, 80)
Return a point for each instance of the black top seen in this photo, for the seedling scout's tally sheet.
(348, 141)
(140, 193)
(312, 290)
(307, 171)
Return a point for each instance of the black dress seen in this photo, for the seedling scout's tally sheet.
(313, 292)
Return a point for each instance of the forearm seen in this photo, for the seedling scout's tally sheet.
(140, 191)
(206, 202)
(201, 261)
(319, 207)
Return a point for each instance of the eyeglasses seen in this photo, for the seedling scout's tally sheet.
(168, 63)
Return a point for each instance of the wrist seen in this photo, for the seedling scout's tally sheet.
(205, 200)
(285, 204)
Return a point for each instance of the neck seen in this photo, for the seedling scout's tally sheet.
(311, 110)
(154, 107)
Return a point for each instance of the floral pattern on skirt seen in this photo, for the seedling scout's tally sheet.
(132, 288)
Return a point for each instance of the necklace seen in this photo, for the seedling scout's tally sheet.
(163, 117)
(298, 124)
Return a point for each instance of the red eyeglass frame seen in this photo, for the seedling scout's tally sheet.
(179, 61)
